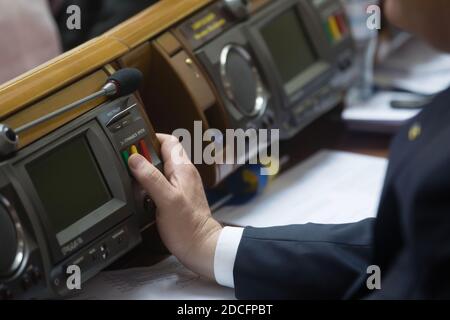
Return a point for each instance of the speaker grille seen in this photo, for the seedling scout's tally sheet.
(242, 82)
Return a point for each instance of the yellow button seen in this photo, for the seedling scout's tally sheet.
(134, 149)
(334, 27)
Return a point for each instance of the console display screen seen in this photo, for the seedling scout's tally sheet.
(70, 186)
(291, 50)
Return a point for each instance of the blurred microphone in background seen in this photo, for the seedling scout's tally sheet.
(366, 39)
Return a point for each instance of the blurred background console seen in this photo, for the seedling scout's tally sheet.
(247, 64)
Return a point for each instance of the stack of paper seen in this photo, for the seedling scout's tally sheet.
(168, 280)
(377, 114)
(415, 68)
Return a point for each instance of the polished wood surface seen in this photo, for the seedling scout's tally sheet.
(39, 83)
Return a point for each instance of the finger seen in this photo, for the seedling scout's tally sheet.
(174, 156)
(170, 146)
(150, 178)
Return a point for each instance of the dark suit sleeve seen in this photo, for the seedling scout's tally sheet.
(302, 261)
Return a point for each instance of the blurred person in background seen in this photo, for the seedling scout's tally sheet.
(34, 32)
(28, 37)
(97, 17)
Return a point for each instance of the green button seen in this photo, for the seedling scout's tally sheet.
(328, 31)
(125, 156)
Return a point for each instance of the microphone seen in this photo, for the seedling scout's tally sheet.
(8, 140)
(126, 82)
(122, 83)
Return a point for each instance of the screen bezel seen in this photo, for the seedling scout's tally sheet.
(323, 66)
(113, 212)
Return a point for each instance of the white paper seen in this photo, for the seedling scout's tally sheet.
(331, 187)
(168, 280)
(378, 108)
(415, 67)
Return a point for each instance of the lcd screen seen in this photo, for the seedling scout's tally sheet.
(291, 49)
(69, 184)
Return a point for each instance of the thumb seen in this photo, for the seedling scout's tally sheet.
(150, 178)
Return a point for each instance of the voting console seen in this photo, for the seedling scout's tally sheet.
(66, 195)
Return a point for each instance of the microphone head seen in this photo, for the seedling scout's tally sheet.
(9, 141)
(126, 81)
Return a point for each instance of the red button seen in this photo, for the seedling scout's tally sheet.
(144, 150)
(341, 20)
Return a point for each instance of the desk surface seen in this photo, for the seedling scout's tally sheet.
(327, 133)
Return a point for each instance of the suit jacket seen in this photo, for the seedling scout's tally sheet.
(409, 241)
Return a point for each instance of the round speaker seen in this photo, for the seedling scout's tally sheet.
(241, 81)
(11, 241)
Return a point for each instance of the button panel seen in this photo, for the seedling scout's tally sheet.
(321, 102)
(336, 26)
(130, 132)
(138, 148)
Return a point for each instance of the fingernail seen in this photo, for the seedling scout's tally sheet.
(136, 161)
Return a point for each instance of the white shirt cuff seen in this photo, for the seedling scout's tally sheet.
(225, 255)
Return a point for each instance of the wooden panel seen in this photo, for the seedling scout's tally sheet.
(139, 58)
(154, 20)
(169, 43)
(189, 73)
(56, 101)
(170, 111)
(57, 73)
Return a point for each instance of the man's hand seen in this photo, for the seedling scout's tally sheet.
(183, 216)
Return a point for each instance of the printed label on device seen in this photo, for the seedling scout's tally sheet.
(206, 25)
